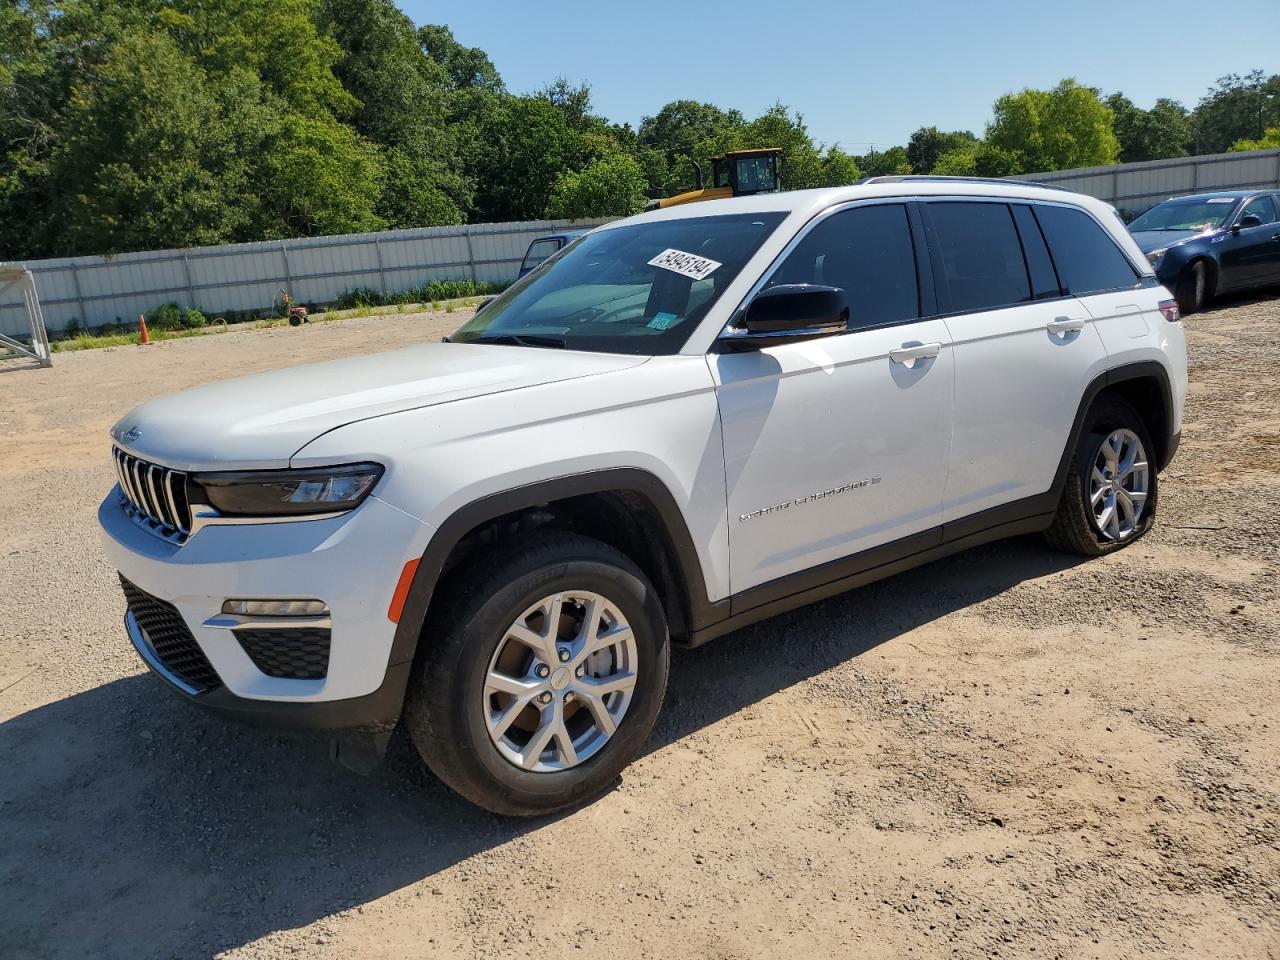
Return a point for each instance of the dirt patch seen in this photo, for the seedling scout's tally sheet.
(1008, 753)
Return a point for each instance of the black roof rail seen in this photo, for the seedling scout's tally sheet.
(938, 178)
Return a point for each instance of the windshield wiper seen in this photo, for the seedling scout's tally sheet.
(520, 340)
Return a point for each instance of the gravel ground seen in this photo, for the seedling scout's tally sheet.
(1007, 753)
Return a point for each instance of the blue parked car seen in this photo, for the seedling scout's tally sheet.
(1212, 243)
(544, 247)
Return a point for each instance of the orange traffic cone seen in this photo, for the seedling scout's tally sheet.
(143, 336)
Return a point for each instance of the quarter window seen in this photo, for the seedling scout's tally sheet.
(1087, 259)
(982, 260)
(1262, 208)
(867, 252)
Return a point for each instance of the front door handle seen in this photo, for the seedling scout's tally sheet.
(1275, 236)
(909, 353)
(1064, 325)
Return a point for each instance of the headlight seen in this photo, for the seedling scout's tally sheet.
(274, 493)
(1155, 256)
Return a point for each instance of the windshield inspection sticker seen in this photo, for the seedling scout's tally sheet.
(685, 264)
(661, 321)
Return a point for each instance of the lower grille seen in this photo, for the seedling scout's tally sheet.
(295, 654)
(170, 639)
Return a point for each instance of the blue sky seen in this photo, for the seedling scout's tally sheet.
(862, 73)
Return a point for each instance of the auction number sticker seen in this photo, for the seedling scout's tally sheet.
(685, 264)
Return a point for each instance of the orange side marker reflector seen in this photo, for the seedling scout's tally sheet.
(402, 591)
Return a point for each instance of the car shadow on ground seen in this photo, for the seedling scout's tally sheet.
(133, 826)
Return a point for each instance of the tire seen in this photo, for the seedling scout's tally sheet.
(470, 643)
(1077, 527)
(1192, 292)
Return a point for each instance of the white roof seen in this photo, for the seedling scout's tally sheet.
(810, 202)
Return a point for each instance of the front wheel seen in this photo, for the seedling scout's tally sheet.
(1110, 496)
(542, 675)
(1192, 291)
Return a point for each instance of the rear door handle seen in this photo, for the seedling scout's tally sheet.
(909, 353)
(1064, 325)
(1275, 236)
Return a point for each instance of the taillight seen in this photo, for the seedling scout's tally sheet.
(1169, 309)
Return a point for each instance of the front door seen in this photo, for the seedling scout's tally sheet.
(838, 445)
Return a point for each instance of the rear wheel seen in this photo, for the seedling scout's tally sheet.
(1111, 491)
(1192, 290)
(542, 677)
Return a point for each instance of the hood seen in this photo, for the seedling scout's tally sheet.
(262, 420)
(1149, 240)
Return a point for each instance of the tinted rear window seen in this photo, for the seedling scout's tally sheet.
(1087, 259)
(981, 256)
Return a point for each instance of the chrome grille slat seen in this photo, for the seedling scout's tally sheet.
(167, 482)
(154, 496)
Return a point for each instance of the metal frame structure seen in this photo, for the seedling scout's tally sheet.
(11, 273)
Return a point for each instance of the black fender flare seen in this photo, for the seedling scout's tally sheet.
(611, 480)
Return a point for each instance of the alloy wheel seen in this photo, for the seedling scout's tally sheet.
(1119, 484)
(560, 681)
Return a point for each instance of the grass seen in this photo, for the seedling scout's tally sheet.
(87, 341)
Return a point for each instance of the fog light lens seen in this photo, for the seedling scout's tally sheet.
(276, 608)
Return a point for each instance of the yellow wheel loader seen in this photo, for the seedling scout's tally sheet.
(738, 173)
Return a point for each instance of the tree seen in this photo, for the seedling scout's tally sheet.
(929, 143)
(143, 159)
(1270, 140)
(839, 169)
(321, 177)
(884, 163)
(466, 68)
(1155, 134)
(611, 187)
(1068, 126)
(1236, 107)
(527, 143)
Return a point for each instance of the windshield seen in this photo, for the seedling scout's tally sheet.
(1199, 213)
(637, 289)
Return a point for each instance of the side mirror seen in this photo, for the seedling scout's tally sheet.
(1249, 220)
(788, 313)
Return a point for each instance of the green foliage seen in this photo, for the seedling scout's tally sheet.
(1236, 108)
(1068, 126)
(430, 292)
(1163, 131)
(1270, 140)
(172, 316)
(611, 187)
(884, 163)
(928, 144)
(141, 124)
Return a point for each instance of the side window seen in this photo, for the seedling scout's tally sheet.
(867, 252)
(1087, 259)
(1044, 280)
(1261, 207)
(539, 251)
(982, 258)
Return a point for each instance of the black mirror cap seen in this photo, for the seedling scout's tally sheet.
(796, 307)
(1250, 220)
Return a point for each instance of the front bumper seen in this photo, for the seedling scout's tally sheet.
(351, 562)
(354, 718)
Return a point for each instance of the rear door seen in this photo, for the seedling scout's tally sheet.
(1024, 352)
(838, 445)
(1094, 270)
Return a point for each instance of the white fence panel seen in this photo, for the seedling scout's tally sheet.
(1132, 187)
(249, 276)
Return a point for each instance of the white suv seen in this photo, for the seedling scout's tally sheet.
(681, 423)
